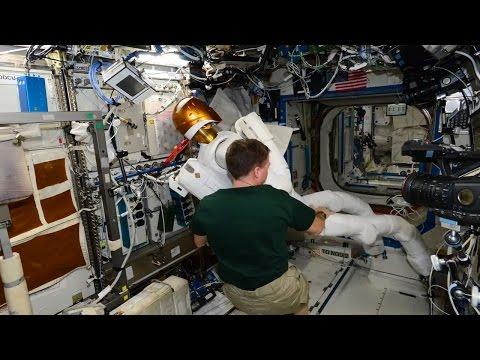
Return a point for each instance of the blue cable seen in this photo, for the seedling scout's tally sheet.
(147, 171)
(156, 169)
(92, 76)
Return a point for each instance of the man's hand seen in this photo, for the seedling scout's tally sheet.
(326, 211)
(199, 240)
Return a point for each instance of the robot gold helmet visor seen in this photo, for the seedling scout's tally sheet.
(190, 111)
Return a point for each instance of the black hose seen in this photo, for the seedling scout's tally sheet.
(265, 56)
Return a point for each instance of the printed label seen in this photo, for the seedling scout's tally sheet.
(175, 251)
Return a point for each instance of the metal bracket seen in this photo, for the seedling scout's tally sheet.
(5, 220)
(48, 117)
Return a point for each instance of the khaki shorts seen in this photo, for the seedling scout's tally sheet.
(285, 295)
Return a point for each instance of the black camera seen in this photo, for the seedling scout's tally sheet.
(454, 195)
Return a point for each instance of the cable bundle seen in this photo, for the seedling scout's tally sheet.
(92, 76)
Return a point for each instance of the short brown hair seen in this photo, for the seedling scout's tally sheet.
(243, 155)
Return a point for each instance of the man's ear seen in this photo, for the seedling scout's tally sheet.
(256, 171)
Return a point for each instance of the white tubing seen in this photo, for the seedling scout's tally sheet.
(472, 60)
(15, 286)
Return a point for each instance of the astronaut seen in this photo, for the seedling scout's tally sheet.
(207, 173)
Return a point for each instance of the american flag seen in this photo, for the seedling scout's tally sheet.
(356, 80)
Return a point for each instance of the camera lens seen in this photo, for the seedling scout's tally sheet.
(465, 197)
(428, 190)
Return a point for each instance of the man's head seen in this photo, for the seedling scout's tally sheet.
(248, 159)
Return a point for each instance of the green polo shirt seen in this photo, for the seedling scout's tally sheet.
(247, 229)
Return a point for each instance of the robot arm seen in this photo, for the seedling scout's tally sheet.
(338, 201)
(362, 225)
(251, 126)
(366, 230)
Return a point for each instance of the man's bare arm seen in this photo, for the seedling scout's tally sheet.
(319, 222)
(317, 226)
(199, 240)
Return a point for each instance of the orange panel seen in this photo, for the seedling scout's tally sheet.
(50, 173)
(24, 216)
(57, 207)
(47, 257)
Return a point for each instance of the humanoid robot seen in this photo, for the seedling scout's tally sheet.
(206, 174)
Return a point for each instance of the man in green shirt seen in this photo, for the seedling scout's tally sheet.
(246, 226)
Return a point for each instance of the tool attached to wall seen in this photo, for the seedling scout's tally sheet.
(169, 213)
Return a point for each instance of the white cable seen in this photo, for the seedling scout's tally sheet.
(430, 282)
(332, 78)
(317, 66)
(468, 241)
(430, 287)
(191, 57)
(109, 288)
(112, 110)
(463, 82)
(197, 77)
(450, 295)
(86, 209)
(268, 88)
(472, 60)
(163, 222)
(173, 76)
(472, 244)
(438, 308)
(172, 99)
(115, 132)
(210, 283)
(253, 48)
(441, 287)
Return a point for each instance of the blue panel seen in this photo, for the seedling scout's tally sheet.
(378, 90)
(32, 94)
(341, 120)
(363, 92)
(125, 234)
